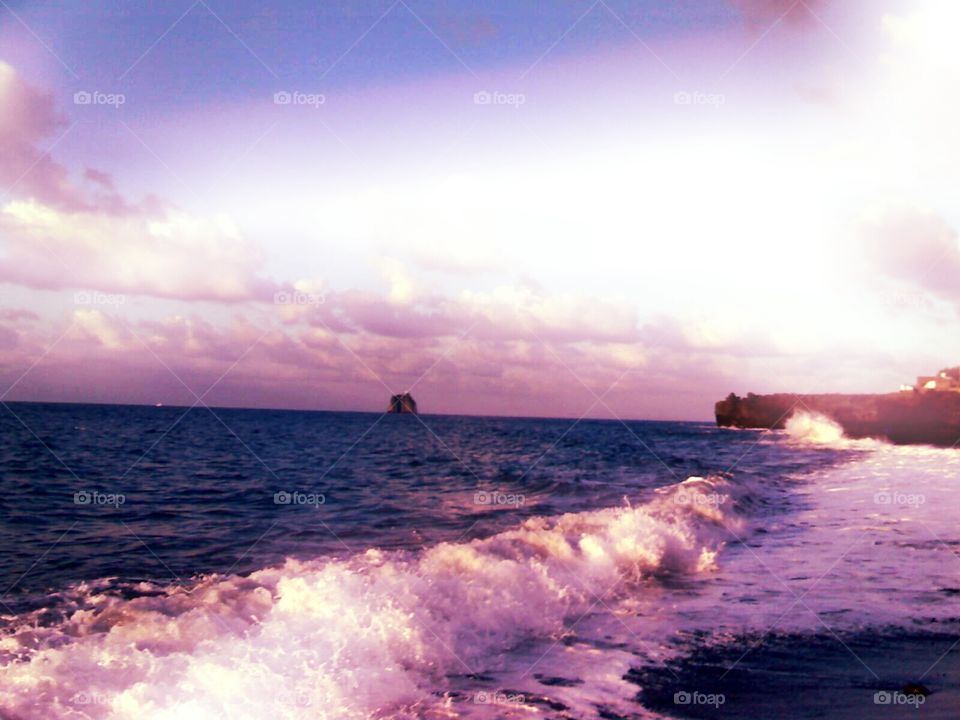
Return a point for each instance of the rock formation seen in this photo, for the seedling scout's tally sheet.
(402, 404)
(911, 417)
(926, 413)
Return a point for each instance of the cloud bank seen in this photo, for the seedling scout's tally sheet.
(61, 233)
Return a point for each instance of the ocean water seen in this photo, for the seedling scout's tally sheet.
(174, 563)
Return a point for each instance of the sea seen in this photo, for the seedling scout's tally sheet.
(193, 563)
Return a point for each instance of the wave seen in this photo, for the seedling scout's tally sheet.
(814, 428)
(805, 427)
(377, 634)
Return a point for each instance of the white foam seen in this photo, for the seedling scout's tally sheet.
(371, 636)
(870, 544)
(814, 429)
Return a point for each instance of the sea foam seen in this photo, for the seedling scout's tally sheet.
(375, 634)
(814, 428)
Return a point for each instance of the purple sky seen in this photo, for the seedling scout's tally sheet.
(606, 208)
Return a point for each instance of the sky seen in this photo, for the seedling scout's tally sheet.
(591, 208)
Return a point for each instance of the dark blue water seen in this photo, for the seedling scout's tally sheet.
(174, 562)
(198, 486)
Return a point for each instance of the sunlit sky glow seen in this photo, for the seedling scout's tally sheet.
(662, 203)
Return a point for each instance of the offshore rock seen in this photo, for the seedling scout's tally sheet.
(403, 404)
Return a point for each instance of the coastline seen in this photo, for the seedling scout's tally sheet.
(904, 418)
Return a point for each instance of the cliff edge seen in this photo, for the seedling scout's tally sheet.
(904, 418)
(925, 413)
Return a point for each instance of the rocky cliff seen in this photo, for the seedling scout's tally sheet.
(903, 418)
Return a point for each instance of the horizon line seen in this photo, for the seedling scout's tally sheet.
(164, 406)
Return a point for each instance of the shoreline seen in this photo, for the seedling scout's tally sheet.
(915, 418)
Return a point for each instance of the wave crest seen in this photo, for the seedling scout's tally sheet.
(814, 429)
(373, 633)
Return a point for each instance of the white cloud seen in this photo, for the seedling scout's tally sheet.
(173, 255)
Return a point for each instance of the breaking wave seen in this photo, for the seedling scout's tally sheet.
(811, 428)
(376, 634)
(814, 428)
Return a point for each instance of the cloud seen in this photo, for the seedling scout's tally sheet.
(96, 327)
(498, 368)
(61, 234)
(28, 119)
(918, 248)
(17, 315)
(504, 313)
(399, 279)
(173, 256)
(28, 116)
(9, 338)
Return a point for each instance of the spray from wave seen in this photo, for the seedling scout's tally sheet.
(814, 429)
(811, 428)
(377, 634)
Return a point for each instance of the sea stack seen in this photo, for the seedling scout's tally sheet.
(403, 404)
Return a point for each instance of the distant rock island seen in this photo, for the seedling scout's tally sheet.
(925, 413)
(403, 404)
